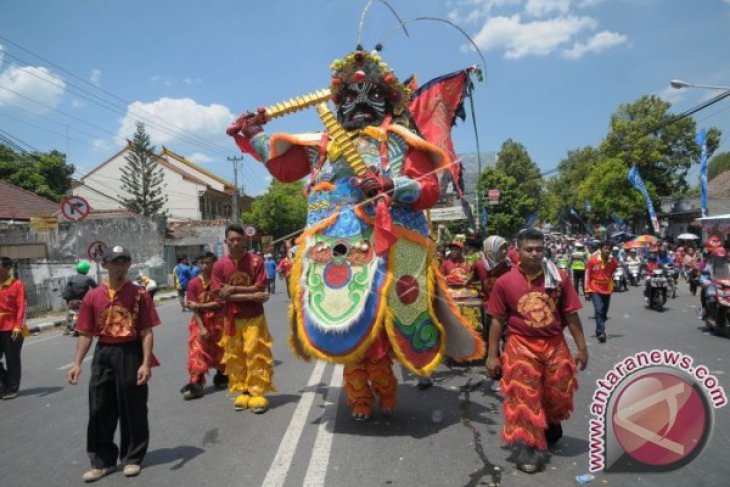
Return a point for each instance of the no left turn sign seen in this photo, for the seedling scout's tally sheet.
(75, 208)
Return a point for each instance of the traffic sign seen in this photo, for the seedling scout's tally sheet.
(75, 208)
(249, 230)
(96, 250)
(493, 196)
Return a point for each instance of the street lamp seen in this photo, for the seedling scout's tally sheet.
(678, 84)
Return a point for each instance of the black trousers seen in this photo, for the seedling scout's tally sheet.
(115, 397)
(10, 372)
(272, 286)
(579, 280)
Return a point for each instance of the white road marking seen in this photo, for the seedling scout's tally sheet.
(317, 470)
(68, 366)
(276, 475)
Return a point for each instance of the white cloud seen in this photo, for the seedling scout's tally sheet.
(672, 95)
(199, 158)
(167, 117)
(538, 38)
(591, 3)
(76, 103)
(470, 11)
(2, 54)
(540, 8)
(28, 82)
(597, 43)
(95, 77)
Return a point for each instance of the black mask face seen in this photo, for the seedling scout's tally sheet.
(362, 104)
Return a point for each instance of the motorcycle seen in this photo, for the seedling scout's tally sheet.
(657, 289)
(672, 279)
(720, 326)
(619, 279)
(72, 316)
(634, 272)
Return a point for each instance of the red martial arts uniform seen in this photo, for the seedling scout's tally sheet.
(118, 319)
(203, 353)
(538, 370)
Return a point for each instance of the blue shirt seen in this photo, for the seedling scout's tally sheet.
(270, 268)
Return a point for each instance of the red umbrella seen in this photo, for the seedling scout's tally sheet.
(646, 239)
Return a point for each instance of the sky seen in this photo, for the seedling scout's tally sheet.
(76, 75)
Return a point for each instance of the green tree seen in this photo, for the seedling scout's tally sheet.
(641, 134)
(142, 178)
(718, 164)
(515, 205)
(561, 191)
(514, 160)
(610, 192)
(281, 211)
(43, 173)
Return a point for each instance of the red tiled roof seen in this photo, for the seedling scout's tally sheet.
(19, 204)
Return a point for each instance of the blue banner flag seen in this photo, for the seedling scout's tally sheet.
(702, 142)
(530, 220)
(575, 215)
(638, 183)
(485, 219)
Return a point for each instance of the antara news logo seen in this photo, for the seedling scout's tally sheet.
(652, 412)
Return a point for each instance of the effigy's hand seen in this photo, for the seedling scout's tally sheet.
(371, 185)
(248, 124)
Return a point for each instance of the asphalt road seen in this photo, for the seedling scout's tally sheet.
(308, 438)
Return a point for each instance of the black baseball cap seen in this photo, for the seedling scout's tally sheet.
(116, 252)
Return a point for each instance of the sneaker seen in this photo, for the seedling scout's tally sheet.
(193, 391)
(529, 459)
(553, 433)
(96, 473)
(10, 395)
(241, 402)
(258, 404)
(220, 381)
(424, 383)
(132, 470)
(602, 338)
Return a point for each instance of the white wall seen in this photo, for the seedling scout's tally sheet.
(103, 186)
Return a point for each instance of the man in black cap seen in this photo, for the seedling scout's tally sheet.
(121, 315)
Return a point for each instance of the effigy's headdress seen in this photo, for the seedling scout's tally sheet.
(361, 66)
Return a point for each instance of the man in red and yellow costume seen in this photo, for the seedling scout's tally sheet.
(364, 285)
(535, 301)
(239, 280)
(205, 331)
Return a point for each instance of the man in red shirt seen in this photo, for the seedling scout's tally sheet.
(121, 315)
(239, 280)
(205, 331)
(12, 328)
(538, 371)
(599, 285)
(455, 268)
(284, 269)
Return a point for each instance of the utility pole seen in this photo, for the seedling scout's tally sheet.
(235, 160)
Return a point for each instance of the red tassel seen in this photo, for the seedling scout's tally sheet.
(384, 236)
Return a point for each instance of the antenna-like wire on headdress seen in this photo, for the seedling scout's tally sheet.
(365, 11)
(437, 19)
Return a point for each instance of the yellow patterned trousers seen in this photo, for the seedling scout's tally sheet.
(247, 357)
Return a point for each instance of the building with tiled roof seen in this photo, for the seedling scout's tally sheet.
(193, 193)
(19, 206)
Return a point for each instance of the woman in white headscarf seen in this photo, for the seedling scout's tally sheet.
(494, 263)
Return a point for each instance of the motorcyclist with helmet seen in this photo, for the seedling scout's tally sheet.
(717, 268)
(75, 290)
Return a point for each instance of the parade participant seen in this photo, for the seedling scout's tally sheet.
(13, 308)
(195, 268)
(205, 331)
(122, 316)
(578, 259)
(535, 303)
(270, 266)
(239, 280)
(599, 285)
(717, 268)
(455, 268)
(76, 288)
(284, 269)
(493, 264)
(181, 277)
(148, 283)
(364, 286)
